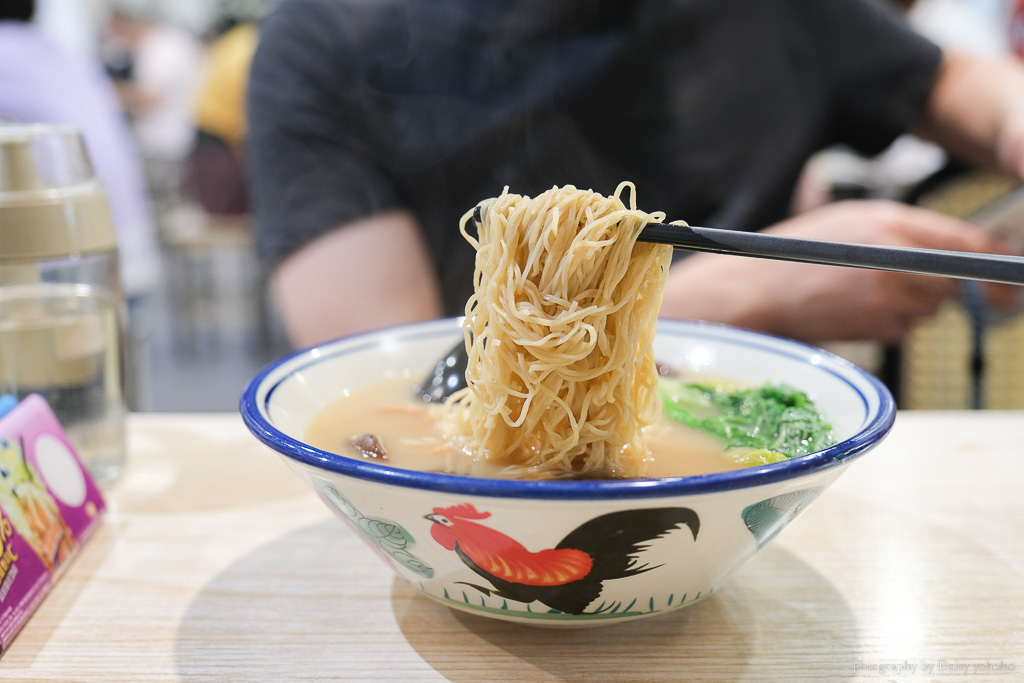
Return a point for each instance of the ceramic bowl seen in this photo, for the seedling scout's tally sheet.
(652, 545)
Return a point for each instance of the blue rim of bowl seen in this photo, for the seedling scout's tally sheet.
(870, 434)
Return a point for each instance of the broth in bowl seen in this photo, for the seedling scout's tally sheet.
(693, 435)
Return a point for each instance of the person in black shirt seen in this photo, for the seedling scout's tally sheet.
(374, 126)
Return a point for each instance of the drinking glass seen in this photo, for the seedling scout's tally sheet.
(62, 310)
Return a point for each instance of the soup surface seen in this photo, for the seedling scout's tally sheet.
(413, 437)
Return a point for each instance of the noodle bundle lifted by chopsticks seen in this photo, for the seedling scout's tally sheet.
(561, 375)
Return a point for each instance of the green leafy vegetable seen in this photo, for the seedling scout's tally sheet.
(759, 425)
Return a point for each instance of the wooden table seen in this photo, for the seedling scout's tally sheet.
(216, 563)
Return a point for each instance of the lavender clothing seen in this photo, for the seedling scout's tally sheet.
(41, 83)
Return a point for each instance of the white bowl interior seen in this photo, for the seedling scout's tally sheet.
(841, 392)
(291, 393)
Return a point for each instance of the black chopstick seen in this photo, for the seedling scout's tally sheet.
(955, 264)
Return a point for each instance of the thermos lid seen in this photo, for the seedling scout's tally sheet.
(51, 203)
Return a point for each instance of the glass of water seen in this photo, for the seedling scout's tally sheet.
(61, 304)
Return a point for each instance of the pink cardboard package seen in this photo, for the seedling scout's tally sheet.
(49, 505)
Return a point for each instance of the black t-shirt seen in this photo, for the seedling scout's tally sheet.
(710, 107)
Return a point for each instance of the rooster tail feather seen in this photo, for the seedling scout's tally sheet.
(630, 528)
(633, 571)
(613, 540)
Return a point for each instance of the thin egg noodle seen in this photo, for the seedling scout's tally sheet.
(561, 376)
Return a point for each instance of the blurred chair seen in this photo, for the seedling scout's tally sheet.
(216, 286)
(217, 283)
(954, 361)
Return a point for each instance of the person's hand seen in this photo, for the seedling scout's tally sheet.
(827, 303)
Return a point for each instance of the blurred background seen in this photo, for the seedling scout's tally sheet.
(202, 323)
(176, 72)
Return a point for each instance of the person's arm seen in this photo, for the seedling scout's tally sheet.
(368, 274)
(976, 111)
(333, 225)
(818, 303)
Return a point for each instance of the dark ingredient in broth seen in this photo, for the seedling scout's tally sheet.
(368, 446)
